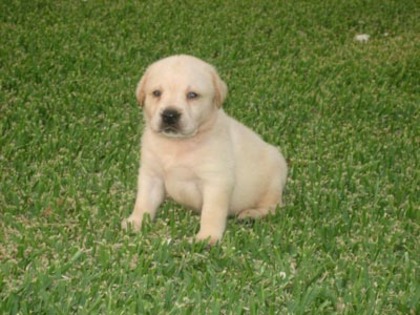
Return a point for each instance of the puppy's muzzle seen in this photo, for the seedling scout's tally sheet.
(170, 120)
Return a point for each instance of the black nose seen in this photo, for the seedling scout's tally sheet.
(170, 116)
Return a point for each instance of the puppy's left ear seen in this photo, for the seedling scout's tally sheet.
(220, 89)
(140, 92)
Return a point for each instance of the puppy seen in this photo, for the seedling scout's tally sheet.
(195, 153)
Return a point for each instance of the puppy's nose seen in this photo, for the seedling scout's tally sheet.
(170, 116)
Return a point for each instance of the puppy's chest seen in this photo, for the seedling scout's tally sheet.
(184, 186)
(182, 180)
(179, 170)
(178, 163)
(174, 157)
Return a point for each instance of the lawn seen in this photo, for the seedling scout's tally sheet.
(344, 113)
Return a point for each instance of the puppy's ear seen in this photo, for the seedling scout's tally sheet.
(220, 89)
(140, 92)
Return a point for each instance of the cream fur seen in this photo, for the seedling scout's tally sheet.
(213, 163)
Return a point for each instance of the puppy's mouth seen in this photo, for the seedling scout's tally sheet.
(175, 132)
(172, 130)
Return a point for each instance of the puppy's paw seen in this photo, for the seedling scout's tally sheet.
(131, 224)
(208, 238)
(254, 214)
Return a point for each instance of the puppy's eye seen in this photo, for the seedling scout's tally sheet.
(192, 95)
(157, 93)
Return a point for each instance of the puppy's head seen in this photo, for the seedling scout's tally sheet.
(179, 95)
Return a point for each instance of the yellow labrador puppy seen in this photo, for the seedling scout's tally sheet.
(195, 153)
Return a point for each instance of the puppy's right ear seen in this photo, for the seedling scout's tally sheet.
(220, 88)
(140, 91)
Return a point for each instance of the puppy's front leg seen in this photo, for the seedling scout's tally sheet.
(150, 195)
(214, 213)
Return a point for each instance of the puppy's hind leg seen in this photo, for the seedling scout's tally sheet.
(266, 206)
(255, 213)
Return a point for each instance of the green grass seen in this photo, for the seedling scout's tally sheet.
(345, 114)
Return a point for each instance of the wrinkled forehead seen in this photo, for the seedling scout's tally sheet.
(184, 74)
